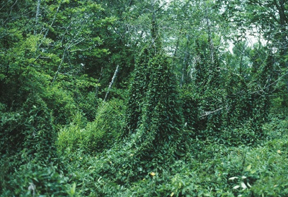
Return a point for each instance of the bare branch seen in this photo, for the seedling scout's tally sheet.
(59, 67)
(97, 88)
(37, 14)
(111, 83)
(207, 113)
(50, 26)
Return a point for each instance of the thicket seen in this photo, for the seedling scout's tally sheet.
(118, 98)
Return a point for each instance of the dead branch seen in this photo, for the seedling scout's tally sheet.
(111, 83)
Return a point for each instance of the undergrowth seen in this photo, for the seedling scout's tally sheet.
(230, 164)
(210, 169)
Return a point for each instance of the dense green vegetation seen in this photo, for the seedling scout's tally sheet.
(143, 98)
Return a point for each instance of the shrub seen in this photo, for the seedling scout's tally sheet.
(34, 179)
(96, 135)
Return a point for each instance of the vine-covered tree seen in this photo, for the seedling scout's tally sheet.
(154, 106)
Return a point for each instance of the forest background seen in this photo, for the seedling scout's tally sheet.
(143, 98)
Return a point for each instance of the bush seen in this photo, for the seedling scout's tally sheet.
(34, 179)
(96, 135)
